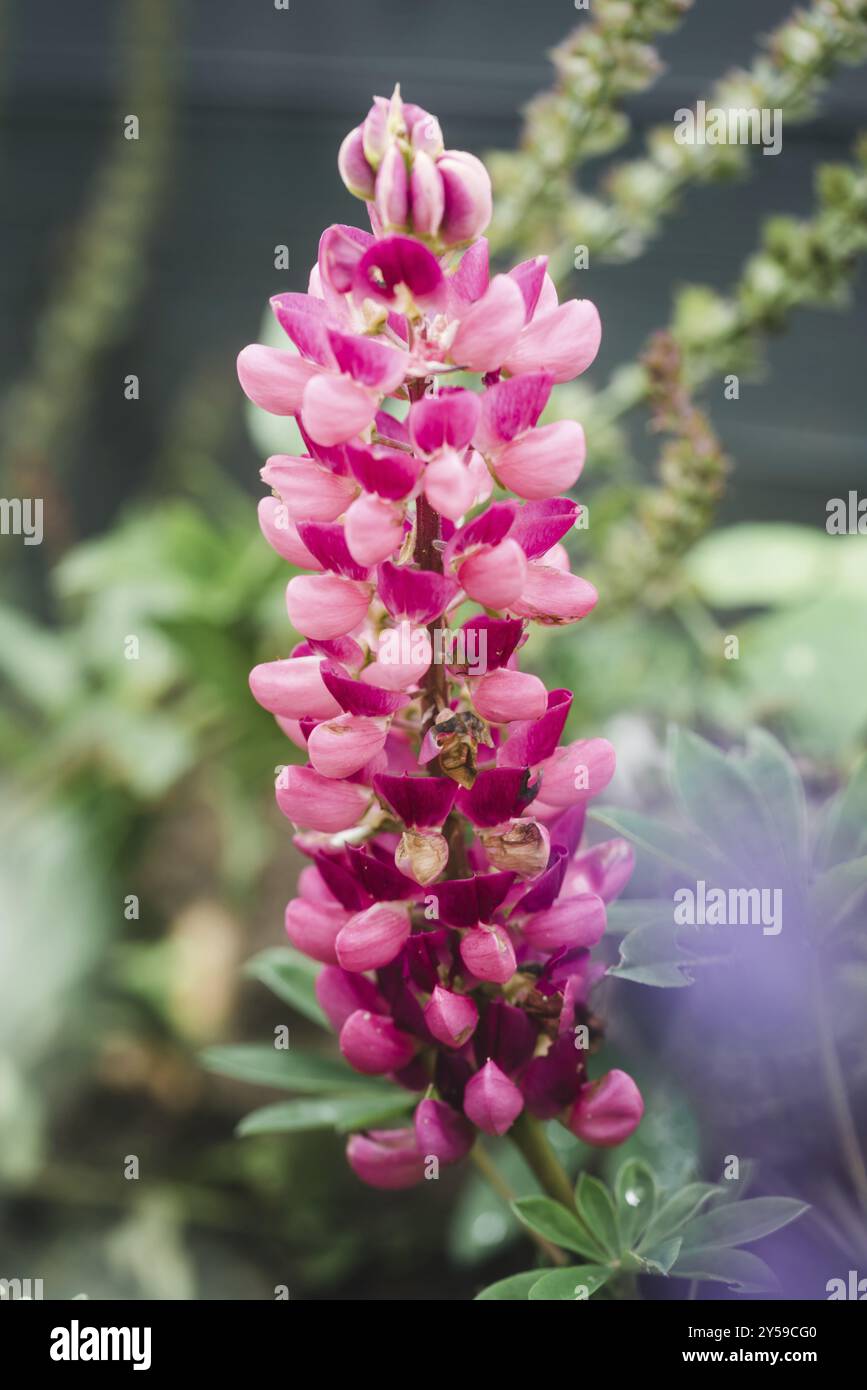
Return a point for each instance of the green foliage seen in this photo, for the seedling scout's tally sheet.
(746, 813)
(638, 1227)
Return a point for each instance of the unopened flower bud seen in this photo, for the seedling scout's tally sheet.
(374, 1045)
(372, 939)
(607, 1111)
(491, 1100)
(488, 953)
(451, 1017)
(441, 1132)
(386, 1158)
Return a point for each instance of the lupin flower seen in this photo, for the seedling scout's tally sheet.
(448, 896)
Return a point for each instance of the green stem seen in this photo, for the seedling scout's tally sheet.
(495, 1180)
(530, 1138)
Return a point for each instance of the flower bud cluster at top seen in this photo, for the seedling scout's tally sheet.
(448, 894)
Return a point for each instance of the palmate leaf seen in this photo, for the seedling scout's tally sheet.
(676, 1211)
(836, 893)
(516, 1288)
(635, 1194)
(292, 977)
(573, 1285)
(551, 1220)
(343, 1113)
(657, 953)
(843, 826)
(596, 1208)
(720, 799)
(777, 782)
(739, 1223)
(675, 848)
(739, 1269)
(305, 1072)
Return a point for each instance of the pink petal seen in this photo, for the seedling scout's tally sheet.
(563, 343)
(274, 379)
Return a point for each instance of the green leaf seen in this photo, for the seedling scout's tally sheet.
(836, 892)
(628, 915)
(516, 1288)
(738, 1223)
(343, 1113)
(655, 954)
(759, 565)
(290, 1070)
(596, 1208)
(737, 1268)
(675, 847)
(573, 1285)
(660, 1259)
(718, 797)
(677, 1210)
(843, 833)
(776, 781)
(551, 1220)
(292, 977)
(635, 1192)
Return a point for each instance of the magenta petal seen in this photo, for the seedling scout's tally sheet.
(368, 362)
(305, 320)
(465, 901)
(379, 877)
(546, 888)
(373, 938)
(313, 928)
(506, 1035)
(492, 1101)
(419, 595)
(488, 954)
(357, 697)
(493, 642)
(448, 419)
(314, 802)
(551, 1082)
(489, 528)
(567, 829)
(418, 801)
(399, 260)
(470, 280)
(442, 1132)
(496, 795)
(570, 922)
(510, 408)
(607, 1111)
(340, 249)
(531, 742)
(327, 541)
(373, 1045)
(386, 1158)
(389, 473)
(529, 276)
(341, 882)
(450, 1017)
(540, 525)
(339, 993)
(605, 869)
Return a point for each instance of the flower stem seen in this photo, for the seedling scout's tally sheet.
(529, 1136)
(495, 1180)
